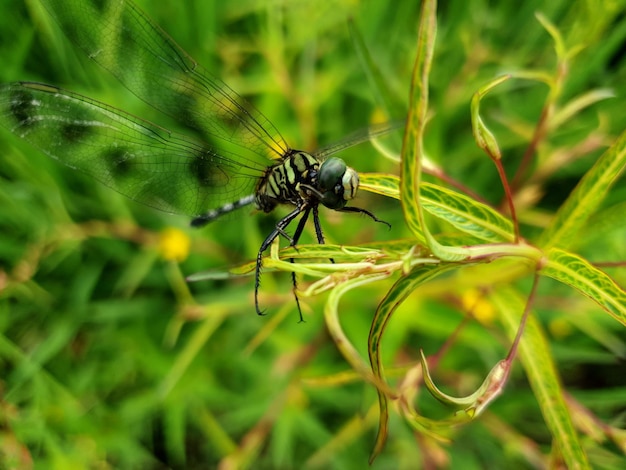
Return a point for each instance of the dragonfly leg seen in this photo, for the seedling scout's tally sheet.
(278, 230)
(318, 230)
(366, 212)
(294, 241)
(318, 227)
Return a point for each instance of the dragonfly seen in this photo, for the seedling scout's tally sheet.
(232, 156)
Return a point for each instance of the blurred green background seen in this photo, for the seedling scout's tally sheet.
(109, 360)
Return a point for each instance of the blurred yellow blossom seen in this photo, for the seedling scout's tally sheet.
(378, 116)
(560, 328)
(174, 244)
(474, 301)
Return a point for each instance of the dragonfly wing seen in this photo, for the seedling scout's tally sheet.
(141, 160)
(122, 39)
(358, 137)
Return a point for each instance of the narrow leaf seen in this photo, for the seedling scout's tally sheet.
(463, 212)
(394, 298)
(576, 272)
(482, 135)
(475, 403)
(541, 371)
(586, 197)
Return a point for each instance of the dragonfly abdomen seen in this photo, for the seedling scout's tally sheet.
(213, 214)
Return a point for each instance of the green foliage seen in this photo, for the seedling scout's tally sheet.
(110, 359)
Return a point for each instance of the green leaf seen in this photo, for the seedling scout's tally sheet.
(466, 214)
(534, 352)
(463, 212)
(331, 315)
(482, 135)
(380, 183)
(475, 403)
(394, 298)
(576, 105)
(586, 197)
(576, 272)
(412, 147)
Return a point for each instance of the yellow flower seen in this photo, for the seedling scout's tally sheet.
(474, 301)
(174, 244)
(560, 328)
(378, 116)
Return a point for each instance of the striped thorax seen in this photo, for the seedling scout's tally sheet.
(299, 179)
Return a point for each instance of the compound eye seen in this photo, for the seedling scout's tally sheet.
(331, 174)
(337, 182)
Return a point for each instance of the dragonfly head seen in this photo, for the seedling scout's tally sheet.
(337, 182)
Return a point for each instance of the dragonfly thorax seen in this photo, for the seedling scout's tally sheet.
(300, 178)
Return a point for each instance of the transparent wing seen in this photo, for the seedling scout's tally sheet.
(122, 39)
(358, 137)
(139, 159)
